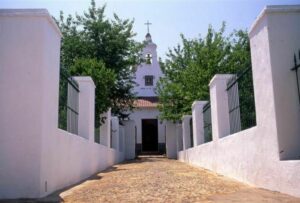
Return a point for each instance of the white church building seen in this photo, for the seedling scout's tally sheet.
(149, 130)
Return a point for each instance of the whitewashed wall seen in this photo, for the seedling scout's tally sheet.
(255, 155)
(68, 159)
(122, 147)
(115, 132)
(198, 122)
(171, 141)
(37, 158)
(105, 129)
(86, 107)
(179, 138)
(129, 131)
(148, 69)
(148, 113)
(186, 130)
(284, 42)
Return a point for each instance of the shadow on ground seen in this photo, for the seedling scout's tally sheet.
(55, 196)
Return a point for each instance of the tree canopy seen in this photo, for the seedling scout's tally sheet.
(191, 65)
(105, 50)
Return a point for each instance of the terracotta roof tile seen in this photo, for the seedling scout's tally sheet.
(146, 102)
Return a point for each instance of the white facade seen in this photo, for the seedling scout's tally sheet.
(147, 113)
(149, 68)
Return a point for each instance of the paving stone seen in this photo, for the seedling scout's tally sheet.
(157, 179)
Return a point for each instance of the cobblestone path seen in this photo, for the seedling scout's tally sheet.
(157, 179)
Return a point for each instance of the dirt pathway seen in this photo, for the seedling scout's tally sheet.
(156, 179)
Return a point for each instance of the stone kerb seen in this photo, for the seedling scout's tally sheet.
(186, 132)
(198, 122)
(219, 105)
(86, 117)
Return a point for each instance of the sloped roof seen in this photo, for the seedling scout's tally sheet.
(146, 102)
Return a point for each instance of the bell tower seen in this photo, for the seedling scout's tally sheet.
(148, 72)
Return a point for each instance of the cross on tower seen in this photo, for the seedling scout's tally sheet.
(148, 23)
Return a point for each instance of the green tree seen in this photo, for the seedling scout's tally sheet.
(190, 66)
(100, 43)
(104, 80)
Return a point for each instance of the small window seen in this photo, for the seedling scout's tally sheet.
(148, 59)
(149, 80)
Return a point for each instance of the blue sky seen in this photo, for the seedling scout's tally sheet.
(169, 18)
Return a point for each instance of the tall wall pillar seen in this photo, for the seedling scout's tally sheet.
(105, 129)
(86, 119)
(115, 133)
(198, 122)
(179, 138)
(186, 132)
(122, 139)
(219, 105)
(129, 130)
(29, 84)
(274, 39)
(121, 148)
(171, 141)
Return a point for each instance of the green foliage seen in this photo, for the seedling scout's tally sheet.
(190, 66)
(103, 78)
(105, 44)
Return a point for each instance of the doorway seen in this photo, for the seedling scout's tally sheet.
(150, 135)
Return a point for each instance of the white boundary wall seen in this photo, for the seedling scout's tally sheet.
(105, 129)
(179, 138)
(37, 158)
(129, 131)
(256, 155)
(198, 122)
(115, 133)
(171, 140)
(186, 129)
